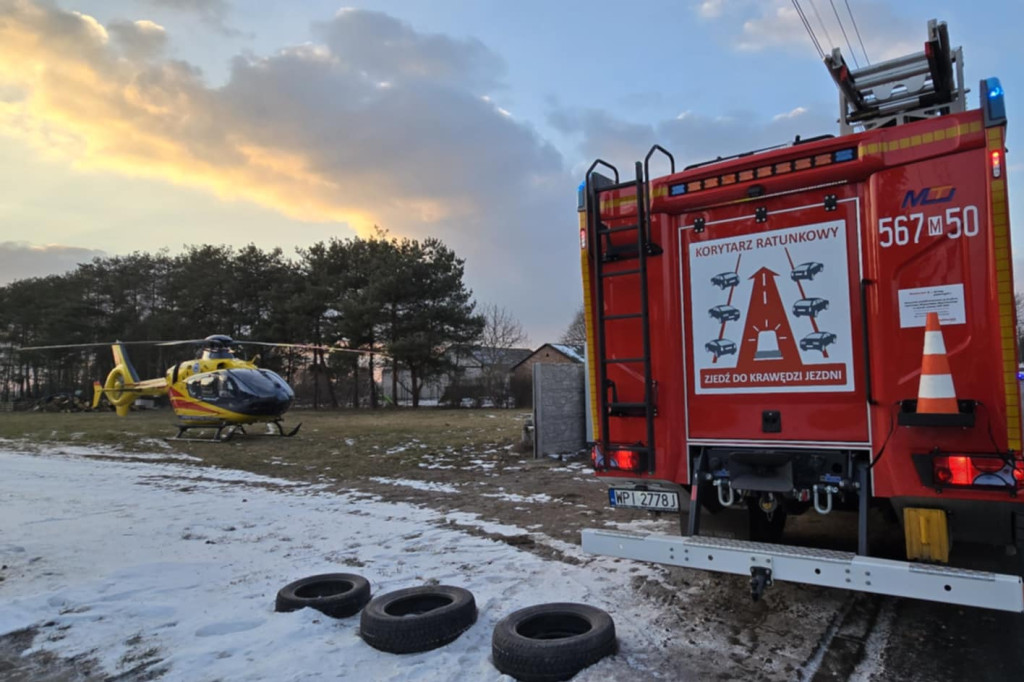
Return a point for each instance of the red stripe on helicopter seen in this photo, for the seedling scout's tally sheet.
(178, 401)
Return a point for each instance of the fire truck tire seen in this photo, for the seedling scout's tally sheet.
(763, 529)
(338, 595)
(417, 618)
(549, 642)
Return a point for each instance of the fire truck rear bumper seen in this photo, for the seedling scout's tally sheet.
(816, 567)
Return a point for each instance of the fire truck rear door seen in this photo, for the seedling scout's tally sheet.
(773, 321)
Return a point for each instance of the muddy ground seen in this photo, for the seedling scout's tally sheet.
(471, 461)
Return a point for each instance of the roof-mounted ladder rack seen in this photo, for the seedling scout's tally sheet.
(921, 85)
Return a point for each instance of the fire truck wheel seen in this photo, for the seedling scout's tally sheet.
(417, 618)
(337, 595)
(551, 642)
(762, 528)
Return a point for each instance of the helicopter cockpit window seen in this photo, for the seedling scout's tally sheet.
(275, 379)
(228, 389)
(260, 382)
(209, 387)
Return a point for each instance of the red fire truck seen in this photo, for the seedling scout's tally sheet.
(756, 327)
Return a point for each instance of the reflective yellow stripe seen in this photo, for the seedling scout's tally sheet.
(1000, 219)
(588, 315)
(926, 534)
(869, 148)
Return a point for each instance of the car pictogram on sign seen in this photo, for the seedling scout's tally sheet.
(809, 307)
(817, 341)
(806, 271)
(724, 313)
(720, 347)
(725, 280)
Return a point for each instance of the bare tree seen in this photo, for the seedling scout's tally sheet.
(575, 334)
(502, 335)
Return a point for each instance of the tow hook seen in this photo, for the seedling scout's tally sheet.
(760, 580)
(829, 491)
(725, 492)
(768, 504)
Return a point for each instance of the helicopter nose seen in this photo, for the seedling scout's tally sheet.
(271, 405)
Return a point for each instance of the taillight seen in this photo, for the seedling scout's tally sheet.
(960, 470)
(618, 459)
(997, 165)
(978, 470)
(626, 460)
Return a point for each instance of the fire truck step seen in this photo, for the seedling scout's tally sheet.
(627, 409)
(613, 230)
(620, 361)
(827, 568)
(620, 273)
(624, 316)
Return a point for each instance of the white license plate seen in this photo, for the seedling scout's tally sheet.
(653, 500)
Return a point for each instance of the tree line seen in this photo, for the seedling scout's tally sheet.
(402, 300)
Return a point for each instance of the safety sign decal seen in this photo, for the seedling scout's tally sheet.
(771, 312)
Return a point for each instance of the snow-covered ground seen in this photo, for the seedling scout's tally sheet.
(170, 567)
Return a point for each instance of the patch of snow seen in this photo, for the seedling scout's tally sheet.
(474, 521)
(120, 560)
(658, 525)
(514, 497)
(419, 485)
(480, 464)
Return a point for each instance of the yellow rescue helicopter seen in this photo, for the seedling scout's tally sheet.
(218, 390)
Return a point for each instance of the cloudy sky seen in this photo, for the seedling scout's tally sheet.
(139, 125)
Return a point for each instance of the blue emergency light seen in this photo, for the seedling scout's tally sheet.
(844, 155)
(581, 198)
(992, 102)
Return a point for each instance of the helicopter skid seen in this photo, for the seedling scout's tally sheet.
(225, 431)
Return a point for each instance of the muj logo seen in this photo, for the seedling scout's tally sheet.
(929, 195)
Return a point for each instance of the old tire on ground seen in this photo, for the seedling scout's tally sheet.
(551, 642)
(417, 618)
(338, 595)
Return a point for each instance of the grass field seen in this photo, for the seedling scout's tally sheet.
(350, 443)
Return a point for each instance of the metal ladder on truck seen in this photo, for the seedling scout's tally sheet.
(604, 252)
(917, 86)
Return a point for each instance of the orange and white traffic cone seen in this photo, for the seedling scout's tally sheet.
(935, 394)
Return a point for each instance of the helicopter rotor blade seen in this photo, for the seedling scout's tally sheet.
(185, 342)
(306, 346)
(96, 344)
(179, 342)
